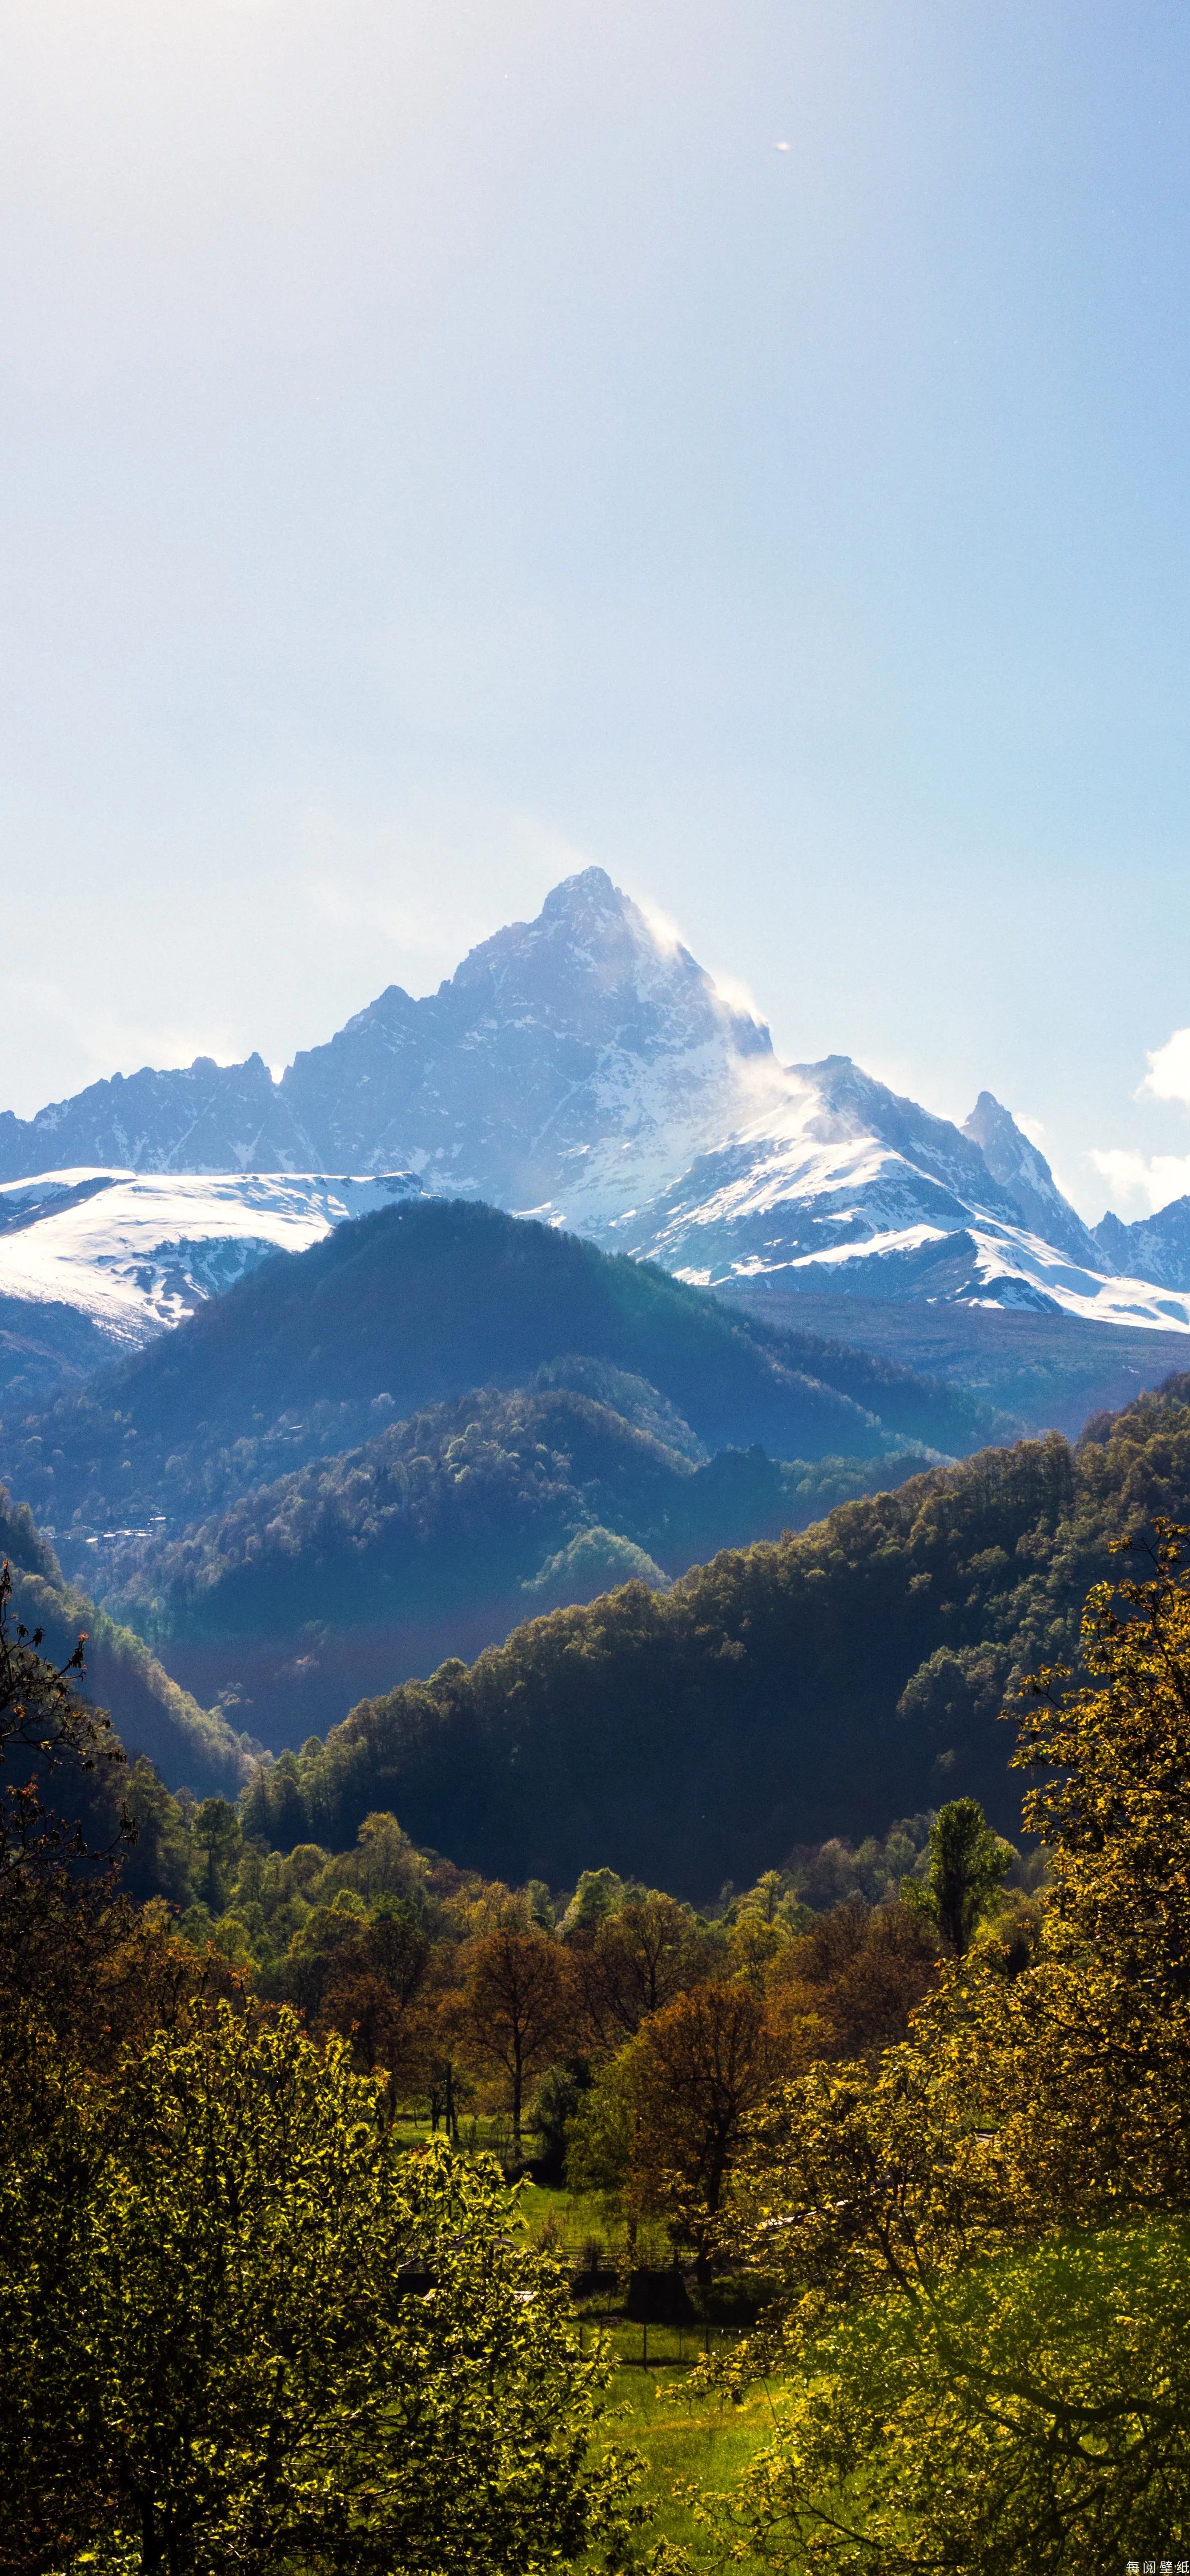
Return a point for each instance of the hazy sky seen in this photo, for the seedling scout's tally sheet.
(446, 442)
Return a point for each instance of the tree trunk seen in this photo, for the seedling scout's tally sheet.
(517, 2090)
(452, 2116)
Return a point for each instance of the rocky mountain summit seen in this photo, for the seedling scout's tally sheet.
(584, 1068)
(1022, 1170)
(571, 1063)
(1154, 1247)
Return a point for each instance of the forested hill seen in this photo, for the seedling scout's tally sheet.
(782, 1693)
(439, 1535)
(412, 1307)
(151, 1712)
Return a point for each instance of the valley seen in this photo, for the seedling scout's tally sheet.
(305, 1443)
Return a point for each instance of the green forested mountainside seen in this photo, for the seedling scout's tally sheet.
(780, 1694)
(41, 1345)
(1047, 1371)
(152, 1714)
(313, 1352)
(21, 1542)
(440, 1535)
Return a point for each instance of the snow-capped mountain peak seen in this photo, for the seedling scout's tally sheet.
(1024, 1173)
(584, 1067)
(565, 1067)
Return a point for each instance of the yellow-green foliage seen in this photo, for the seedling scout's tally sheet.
(981, 2246)
(1026, 2413)
(244, 2330)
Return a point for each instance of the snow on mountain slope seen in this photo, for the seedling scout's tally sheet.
(584, 1068)
(136, 1252)
(1021, 1169)
(988, 1266)
(1157, 1245)
(837, 1160)
(851, 1189)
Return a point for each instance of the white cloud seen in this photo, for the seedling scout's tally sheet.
(1168, 1077)
(665, 931)
(738, 996)
(1150, 1179)
(730, 988)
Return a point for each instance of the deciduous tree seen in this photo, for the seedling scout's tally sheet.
(211, 2358)
(637, 1959)
(966, 1871)
(517, 2009)
(674, 2105)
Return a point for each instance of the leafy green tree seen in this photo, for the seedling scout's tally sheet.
(599, 2143)
(216, 1835)
(967, 1867)
(160, 1861)
(983, 2243)
(1113, 1803)
(383, 1863)
(1033, 2412)
(63, 1829)
(555, 2103)
(599, 1893)
(268, 2341)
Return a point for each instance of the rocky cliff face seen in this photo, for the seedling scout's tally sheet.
(569, 1066)
(1154, 1247)
(202, 1117)
(1022, 1170)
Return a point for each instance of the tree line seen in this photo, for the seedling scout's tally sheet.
(939, 2126)
(774, 1696)
(977, 2247)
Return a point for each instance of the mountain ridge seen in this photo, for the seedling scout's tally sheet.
(583, 1067)
(415, 1305)
(858, 1669)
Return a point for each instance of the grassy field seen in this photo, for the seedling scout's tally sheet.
(684, 2434)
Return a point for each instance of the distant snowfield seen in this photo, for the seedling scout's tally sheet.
(780, 1201)
(1007, 1270)
(138, 1251)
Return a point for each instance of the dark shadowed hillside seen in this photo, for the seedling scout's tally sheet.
(441, 1534)
(779, 1694)
(1047, 1371)
(41, 1344)
(316, 1351)
(151, 1713)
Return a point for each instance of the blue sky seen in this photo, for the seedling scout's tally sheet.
(447, 444)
